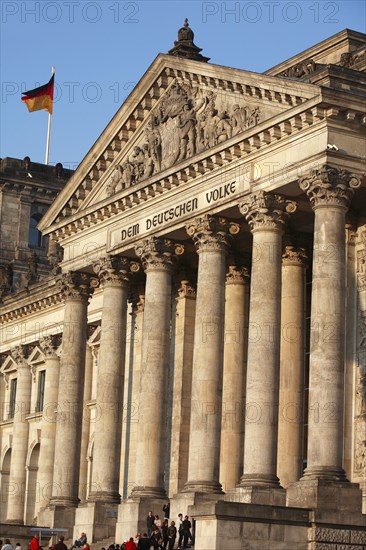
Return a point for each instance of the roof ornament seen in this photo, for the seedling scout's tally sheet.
(184, 46)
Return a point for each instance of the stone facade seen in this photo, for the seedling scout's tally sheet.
(198, 331)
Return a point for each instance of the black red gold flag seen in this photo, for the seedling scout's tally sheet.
(41, 97)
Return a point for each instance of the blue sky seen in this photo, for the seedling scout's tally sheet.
(102, 48)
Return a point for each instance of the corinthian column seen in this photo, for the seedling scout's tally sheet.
(48, 345)
(292, 369)
(330, 191)
(157, 256)
(19, 449)
(211, 236)
(113, 274)
(266, 215)
(234, 378)
(75, 288)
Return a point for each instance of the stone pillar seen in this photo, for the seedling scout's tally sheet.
(85, 431)
(292, 366)
(132, 395)
(113, 273)
(17, 477)
(266, 215)
(330, 191)
(76, 290)
(48, 345)
(182, 384)
(234, 375)
(211, 236)
(157, 256)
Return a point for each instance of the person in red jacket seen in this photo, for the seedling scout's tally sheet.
(34, 543)
(130, 545)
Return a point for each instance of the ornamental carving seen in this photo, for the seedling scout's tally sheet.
(360, 446)
(49, 345)
(188, 120)
(137, 299)
(76, 285)
(350, 60)
(18, 355)
(55, 256)
(186, 289)
(115, 270)
(6, 279)
(158, 253)
(266, 211)
(211, 233)
(237, 275)
(329, 186)
(301, 69)
(294, 256)
(361, 269)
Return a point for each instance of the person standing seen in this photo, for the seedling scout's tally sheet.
(60, 544)
(164, 534)
(172, 535)
(144, 542)
(150, 520)
(180, 530)
(166, 510)
(186, 526)
(7, 545)
(34, 543)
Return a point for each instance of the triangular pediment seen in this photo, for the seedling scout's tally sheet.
(177, 112)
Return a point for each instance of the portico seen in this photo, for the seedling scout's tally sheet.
(204, 238)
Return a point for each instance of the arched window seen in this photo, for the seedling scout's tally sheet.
(35, 236)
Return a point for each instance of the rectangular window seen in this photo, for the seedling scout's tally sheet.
(13, 392)
(40, 394)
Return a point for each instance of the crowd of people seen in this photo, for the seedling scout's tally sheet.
(161, 534)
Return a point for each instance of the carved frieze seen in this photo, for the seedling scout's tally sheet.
(211, 233)
(329, 186)
(351, 61)
(360, 446)
(187, 120)
(267, 211)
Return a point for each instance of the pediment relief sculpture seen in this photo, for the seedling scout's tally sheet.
(187, 121)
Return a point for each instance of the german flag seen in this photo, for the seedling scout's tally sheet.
(40, 98)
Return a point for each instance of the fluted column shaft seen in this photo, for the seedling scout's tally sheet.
(48, 344)
(113, 274)
(292, 367)
(75, 287)
(330, 191)
(234, 377)
(211, 236)
(157, 256)
(17, 477)
(266, 215)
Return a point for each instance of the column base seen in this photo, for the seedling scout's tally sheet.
(257, 494)
(15, 521)
(97, 519)
(64, 502)
(56, 516)
(181, 502)
(205, 487)
(107, 497)
(323, 494)
(324, 473)
(132, 514)
(148, 492)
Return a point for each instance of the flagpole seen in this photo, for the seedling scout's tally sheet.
(49, 131)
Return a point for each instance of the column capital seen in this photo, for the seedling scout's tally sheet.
(18, 354)
(137, 299)
(49, 345)
(157, 253)
(294, 256)
(329, 186)
(211, 233)
(186, 289)
(115, 270)
(267, 211)
(75, 285)
(237, 275)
